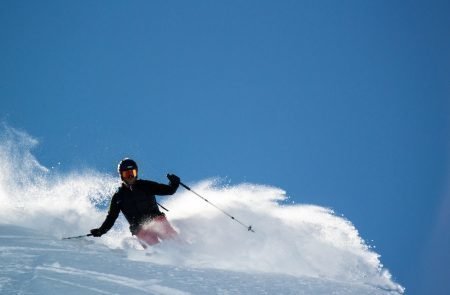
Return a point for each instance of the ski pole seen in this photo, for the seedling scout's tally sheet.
(249, 227)
(162, 206)
(77, 237)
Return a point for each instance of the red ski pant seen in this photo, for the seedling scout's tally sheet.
(157, 229)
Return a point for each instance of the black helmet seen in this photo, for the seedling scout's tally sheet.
(126, 164)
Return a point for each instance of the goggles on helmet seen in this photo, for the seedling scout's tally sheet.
(128, 173)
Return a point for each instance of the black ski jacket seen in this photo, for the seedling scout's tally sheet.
(137, 203)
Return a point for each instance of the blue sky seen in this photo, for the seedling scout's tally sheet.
(343, 104)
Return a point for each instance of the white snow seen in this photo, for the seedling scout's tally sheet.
(296, 249)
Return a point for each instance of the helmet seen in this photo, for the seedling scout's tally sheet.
(126, 164)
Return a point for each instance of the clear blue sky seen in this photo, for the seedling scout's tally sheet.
(343, 104)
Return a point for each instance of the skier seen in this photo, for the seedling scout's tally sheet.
(136, 200)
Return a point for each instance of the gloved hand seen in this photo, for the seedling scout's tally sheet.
(173, 179)
(96, 232)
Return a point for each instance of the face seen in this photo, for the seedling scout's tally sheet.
(129, 176)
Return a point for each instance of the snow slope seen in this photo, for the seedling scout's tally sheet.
(33, 263)
(296, 249)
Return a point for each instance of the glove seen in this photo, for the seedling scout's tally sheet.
(173, 179)
(96, 232)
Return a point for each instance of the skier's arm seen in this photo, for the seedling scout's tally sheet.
(164, 189)
(113, 213)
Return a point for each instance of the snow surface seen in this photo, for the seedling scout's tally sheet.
(296, 248)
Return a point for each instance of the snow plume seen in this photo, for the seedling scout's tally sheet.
(297, 240)
(39, 198)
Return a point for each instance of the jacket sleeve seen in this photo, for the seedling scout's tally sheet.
(162, 189)
(113, 213)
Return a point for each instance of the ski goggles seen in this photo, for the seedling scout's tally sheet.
(129, 173)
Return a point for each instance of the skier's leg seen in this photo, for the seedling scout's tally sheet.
(148, 236)
(165, 230)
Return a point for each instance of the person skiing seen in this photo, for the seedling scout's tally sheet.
(135, 198)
